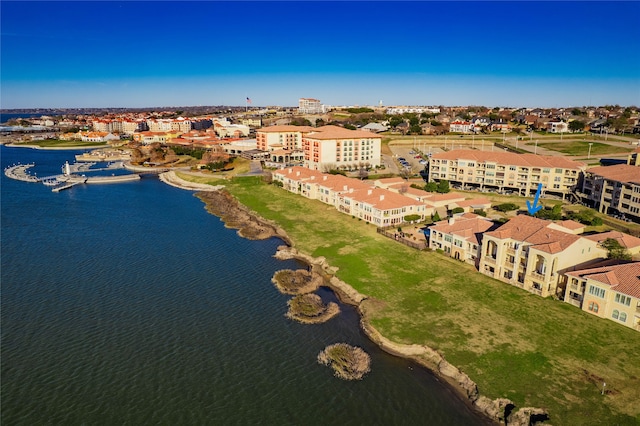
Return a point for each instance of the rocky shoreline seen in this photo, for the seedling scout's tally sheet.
(250, 225)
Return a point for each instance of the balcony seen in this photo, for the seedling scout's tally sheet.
(511, 251)
(574, 302)
(490, 260)
(538, 276)
(536, 291)
(576, 288)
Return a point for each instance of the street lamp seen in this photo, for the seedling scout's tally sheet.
(589, 154)
(535, 151)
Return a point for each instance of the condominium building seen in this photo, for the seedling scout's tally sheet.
(460, 236)
(531, 253)
(611, 292)
(281, 137)
(613, 189)
(334, 147)
(351, 196)
(325, 148)
(309, 106)
(506, 171)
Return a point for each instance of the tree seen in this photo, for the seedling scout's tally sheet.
(415, 129)
(319, 122)
(362, 172)
(395, 120)
(443, 187)
(431, 187)
(615, 250)
(554, 213)
(576, 126)
(435, 217)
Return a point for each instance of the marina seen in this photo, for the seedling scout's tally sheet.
(70, 175)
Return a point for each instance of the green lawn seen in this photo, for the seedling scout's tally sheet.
(537, 352)
(581, 148)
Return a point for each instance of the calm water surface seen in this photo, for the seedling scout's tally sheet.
(130, 304)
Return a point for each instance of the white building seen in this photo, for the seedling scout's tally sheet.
(309, 106)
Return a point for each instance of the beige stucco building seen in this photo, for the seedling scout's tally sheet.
(614, 189)
(506, 171)
(531, 253)
(460, 236)
(611, 292)
(354, 197)
(325, 148)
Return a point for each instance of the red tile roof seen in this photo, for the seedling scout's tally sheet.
(627, 241)
(623, 278)
(337, 132)
(509, 158)
(535, 232)
(469, 226)
(618, 172)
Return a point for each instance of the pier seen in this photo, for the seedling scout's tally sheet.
(69, 177)
(19, 172)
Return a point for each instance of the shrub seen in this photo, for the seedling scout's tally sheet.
(506, 207)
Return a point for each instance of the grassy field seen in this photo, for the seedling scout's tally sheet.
(581, 148)
(537, 352)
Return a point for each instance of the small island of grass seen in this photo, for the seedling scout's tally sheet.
(296, 282)
(309, 309)
(348, 362)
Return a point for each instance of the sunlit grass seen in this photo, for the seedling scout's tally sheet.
(537, 352)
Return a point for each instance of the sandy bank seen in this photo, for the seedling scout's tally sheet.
(170, 178)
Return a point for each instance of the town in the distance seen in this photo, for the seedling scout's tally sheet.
(545, 199)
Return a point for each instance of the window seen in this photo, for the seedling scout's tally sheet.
(623, 300)
(596, 291)
(593, 307)
(623, 317)
(615, 314)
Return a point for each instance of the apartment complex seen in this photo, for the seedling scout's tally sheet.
(324, 148)
(309, 106)
(611, 292)
(506, 171)
(614, 189)
(351, 196)
(531, 253)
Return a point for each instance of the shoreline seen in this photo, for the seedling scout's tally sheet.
(237, 216)
(54, 148)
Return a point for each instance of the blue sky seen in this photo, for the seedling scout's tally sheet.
(163, 53)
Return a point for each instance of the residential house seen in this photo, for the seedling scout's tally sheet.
(500, 125)
(557, 127)
(460, 127)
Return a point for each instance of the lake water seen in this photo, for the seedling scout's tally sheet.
(130, 304)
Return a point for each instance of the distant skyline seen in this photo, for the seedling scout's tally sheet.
(164, 53)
